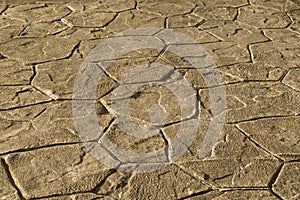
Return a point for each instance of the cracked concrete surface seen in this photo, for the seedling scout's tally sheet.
(256, 47)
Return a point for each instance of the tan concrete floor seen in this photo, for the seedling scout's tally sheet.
(255, 45)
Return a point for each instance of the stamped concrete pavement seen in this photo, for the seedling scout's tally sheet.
(255, 45)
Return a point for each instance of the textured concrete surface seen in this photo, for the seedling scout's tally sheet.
(256, 47)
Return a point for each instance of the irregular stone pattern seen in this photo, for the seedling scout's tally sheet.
(56, 170)
(287, 183)
(7, 191)
(255, 45)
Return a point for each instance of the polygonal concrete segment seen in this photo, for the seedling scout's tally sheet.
(88, 20)
(37, 50)
(292, 79)
(239, 33)
(251, 72)
(132, 144)
(288, 181)
(135, 19)
(254, 100)
(7, 191)
(168, 183)
(275, 53)
(261, 18)
(115, 185)
(294, 13)
(226, 173)
(56, 170)
(283, 35)
(20, 96)
(56, 79)
(236, 145)
(166, 8)
(14, 73)
(278, 135)
(44, 28)
(247, 194)
(41, 11)
(227, 53)
(42, 125)
(10, 27)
